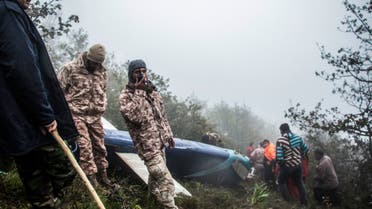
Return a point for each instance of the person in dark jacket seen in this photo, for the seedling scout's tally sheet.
(31, 105)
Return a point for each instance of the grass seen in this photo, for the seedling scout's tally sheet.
(133, 195)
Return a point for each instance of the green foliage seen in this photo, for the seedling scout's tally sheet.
(47, 14)
(186, 119)
(11, 189)
(214, 197)
(351, 76)
(349, 142)
(61, 44)
(351, 168)
(217, 197)
(116, 80)
(239, 124)
(259, 194)
(133, 194)
(64, 49)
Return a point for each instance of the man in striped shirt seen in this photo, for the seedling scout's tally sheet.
(290, 149)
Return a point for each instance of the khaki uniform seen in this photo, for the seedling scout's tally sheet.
(86, 95)
(150, 131)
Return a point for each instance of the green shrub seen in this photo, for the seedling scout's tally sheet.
(259, 194)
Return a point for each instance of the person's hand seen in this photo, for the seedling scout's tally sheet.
(49, 128)
(140, 84)
(171, 143)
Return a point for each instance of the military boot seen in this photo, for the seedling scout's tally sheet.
(104, 181)
(93, 180)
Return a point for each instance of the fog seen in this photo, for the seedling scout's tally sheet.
(262, 53)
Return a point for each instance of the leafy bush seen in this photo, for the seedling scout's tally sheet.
(259, 194)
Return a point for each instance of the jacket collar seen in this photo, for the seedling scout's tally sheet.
(14, 6)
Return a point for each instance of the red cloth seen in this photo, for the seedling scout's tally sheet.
(305, 168)
(249, 150)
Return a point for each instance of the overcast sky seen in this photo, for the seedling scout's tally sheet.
(261, 53)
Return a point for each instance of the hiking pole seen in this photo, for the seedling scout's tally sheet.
(78, 169)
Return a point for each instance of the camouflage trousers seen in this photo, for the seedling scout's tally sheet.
(92, 148)
(160, 181)
(45, 171)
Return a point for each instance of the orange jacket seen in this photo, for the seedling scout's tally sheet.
(270, 152)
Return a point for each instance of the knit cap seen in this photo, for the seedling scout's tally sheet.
(96, 53)
(135, 64)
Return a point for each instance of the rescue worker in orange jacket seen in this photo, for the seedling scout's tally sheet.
(269, 160)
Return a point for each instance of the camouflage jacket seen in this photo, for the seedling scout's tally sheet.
(85, 92)
(145, 117)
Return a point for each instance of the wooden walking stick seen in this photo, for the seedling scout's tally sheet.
(78, 169)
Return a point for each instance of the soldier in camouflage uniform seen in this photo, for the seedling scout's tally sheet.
(143, 111)
(84, 83)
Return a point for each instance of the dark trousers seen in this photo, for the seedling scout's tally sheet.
(294, 173)
(326, 196)
(44, 172)
(269, 176)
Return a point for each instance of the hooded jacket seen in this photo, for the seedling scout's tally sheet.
(30, 95)
(147, 123)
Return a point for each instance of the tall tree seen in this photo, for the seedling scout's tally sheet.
(63, 49)
(186, 117)
(239, 124)
(351, 75)
(64, 44)
(116, 80)
(47, 16)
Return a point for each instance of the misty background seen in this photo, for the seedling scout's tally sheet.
(235, 68)
(262, 54)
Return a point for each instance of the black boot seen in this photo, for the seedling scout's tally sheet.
(93, 180)
(104, 181)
